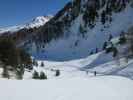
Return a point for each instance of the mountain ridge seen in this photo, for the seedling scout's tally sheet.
(80, 28)
(35, 22)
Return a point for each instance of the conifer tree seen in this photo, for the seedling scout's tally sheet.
(43, 76)
(42, 64)
(103, 17)
(35, 75)
(96, 50)
(122, 39)
(57, 73)
(110, 37)
(5, 73)
(104, 45)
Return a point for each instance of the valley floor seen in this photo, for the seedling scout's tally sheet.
(101, 63)
(76, 81)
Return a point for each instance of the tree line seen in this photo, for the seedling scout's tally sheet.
(13, 58)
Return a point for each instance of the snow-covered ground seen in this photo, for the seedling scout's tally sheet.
(76, 81)
(78, 88)
(102, 63)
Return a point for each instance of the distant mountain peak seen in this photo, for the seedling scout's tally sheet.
(36, 22)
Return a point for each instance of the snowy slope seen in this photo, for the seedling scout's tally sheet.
(74, 46)
(36, 22)
(104, 64)
(80, 88)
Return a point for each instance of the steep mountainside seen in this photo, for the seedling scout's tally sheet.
(81, 28)
(23, 33)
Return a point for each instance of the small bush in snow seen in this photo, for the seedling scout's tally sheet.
(91, 52)
(57, 73)
(42, 64)
(35, 63)
(122, 39)
(96, 51)
(35, 75)
(110, 37)
(105, 45)
(5, 73)
(112, 49)
(43, 76)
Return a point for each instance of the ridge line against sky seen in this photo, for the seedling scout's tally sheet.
(15, 12)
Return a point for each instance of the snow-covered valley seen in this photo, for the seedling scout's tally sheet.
(103, 64)
(84, 52)
(75, 82)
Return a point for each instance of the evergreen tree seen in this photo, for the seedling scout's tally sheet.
(8, 54)
(89, 16)
(82, 30)
(43, 76)
(104, 45)
(42, 64)
(108, 10)
(91, 52)
(5, 73)
(14, 57)
(112, 49)
(25, 59)
(96, 50)
(86, 17)
(110, 37)
(57, 73)
(76, 43)
(35, 63)
(109, 48)
(122, 39)
(115, 51)
(35, 75)
(19, 73)
(129, 53)
(103, 17)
